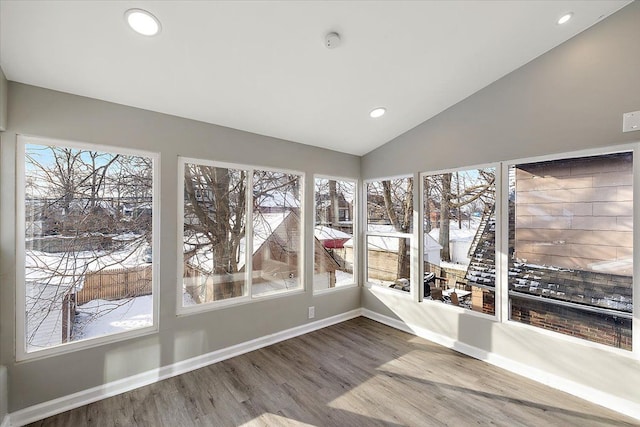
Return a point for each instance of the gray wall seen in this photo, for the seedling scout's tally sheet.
(4, 392)
(41, 112)
(3, 370)
(3, 100)
(573, 97)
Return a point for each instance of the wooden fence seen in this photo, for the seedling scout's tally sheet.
(114, 284)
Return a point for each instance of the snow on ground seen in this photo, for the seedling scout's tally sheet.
(343, 278)
(100, 317)
(321, 280)
(69, 267)
(50, 276)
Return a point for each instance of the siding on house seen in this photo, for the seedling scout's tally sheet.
(576, 213)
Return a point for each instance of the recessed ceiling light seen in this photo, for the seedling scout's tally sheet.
(142, 22)
(565, 18)
(377, 112)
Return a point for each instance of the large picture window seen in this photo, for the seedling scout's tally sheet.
(214, 234)
(460, 238)
(277, 232)
(241, 232)
(571, 246)
(388, 232)
(86, 233)
(334, 243)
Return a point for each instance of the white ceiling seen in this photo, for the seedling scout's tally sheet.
(261, 66)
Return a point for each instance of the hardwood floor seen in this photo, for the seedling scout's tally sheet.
(357, 373)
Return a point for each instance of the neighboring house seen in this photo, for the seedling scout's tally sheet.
(53, 216)
(276, 246)
(276, 201)
(342, 216)
(552, 288)
(137, 210)
(331, 238)
(585, 208)
(376, 210)
(383, 253)
(332, 241)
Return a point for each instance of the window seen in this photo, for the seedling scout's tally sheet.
(571, 246)
(388, 233)
(334, 245)
(85, 243)
(460, 238)
(214, 237)
(277, 232)
(241, 232)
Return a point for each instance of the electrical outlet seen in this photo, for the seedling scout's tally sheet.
(631, 121)
(312, 312)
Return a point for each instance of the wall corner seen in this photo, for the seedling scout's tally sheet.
(4, 88)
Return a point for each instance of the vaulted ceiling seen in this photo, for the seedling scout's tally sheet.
(263, 67)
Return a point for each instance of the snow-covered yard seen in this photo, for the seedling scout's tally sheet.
(100, 317)
(51, 276)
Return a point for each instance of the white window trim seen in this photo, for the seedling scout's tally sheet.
(634, 353)
(366, 233)
(356, 246)
(182, 310)
(21, 344)
(499, 282)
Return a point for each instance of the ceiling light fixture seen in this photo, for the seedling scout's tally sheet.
(142, 22)
(377, 112)
(565, 18)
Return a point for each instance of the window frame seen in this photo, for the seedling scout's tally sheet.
(499, 279)
(366, 233)
(355, 239)
(249, 298)
(21, 321)
(634, 148)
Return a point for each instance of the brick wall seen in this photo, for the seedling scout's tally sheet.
(600, 328)
(488, 302)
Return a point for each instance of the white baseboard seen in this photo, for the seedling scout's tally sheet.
(587, 393)
(65, 403)
(84, 397)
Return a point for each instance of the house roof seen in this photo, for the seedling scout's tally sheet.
(389, 243)
(592, 288)
(278, 199)
(264, 225)
(322, 232)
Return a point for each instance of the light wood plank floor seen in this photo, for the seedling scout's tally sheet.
(357, 373)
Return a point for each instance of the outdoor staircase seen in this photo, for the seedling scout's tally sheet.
(481, 269)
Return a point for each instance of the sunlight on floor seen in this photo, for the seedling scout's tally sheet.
(270, 419)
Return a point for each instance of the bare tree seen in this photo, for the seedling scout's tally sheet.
(72, 196)
(454, 191)
(391, 201)
(215, 216)
(334, 202)
(216, 200)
